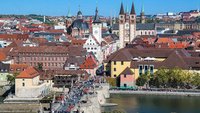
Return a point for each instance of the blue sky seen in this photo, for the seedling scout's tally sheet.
(106, 7)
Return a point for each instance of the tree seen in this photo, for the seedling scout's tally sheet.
(40, 66)
(142, 80)
(11, 79)
(162, 76)
(196, 80)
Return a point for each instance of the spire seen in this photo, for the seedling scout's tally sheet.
(142, 10)
(96, 18)
(121, 9)
(132, 9)
(68, 13)
(79, 14)
(79, 9)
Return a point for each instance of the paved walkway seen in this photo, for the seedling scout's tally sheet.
(73, 97)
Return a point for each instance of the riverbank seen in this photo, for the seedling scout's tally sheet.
(167, 93)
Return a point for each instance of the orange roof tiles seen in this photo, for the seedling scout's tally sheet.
(18, 67)
(78, 41)
(165, 40)
(14, 36)
(89, 63)
(178, 45)
(30, 72)
(2, 56)
(39, 40)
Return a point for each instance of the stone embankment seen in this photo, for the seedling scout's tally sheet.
(21, 108)
(95, 100)
(170, 93)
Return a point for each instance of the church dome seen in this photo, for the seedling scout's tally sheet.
(80, 24)
(79, 13)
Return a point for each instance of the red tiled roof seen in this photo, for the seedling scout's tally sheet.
(39, 40)
(108, 39)
(2, 56)
(16, 43)
(5, 50)
(18, 67)
(89, 63)
(178, 45)
(14, 36)
(165, 40)
(41, 49)
(78, 41)
(30, 72)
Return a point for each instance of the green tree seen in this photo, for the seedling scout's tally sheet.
(162, 76)
(11, 79)
(196, 80)
(142, 80)
(40, 66)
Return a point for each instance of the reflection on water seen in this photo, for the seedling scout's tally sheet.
(1, 99)
(154, 104)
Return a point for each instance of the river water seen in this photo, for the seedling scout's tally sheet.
(129, 103)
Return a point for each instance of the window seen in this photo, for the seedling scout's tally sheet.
(115, 75)
(146, 69)
(122, 62)
(151, 69)
(114, 69)
(22, 79)
(125, 85)
(124, 75)
(114, 62)
(140, 69)
(23, 84)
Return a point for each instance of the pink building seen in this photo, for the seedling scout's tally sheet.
(127, 78)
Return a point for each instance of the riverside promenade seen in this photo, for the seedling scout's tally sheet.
(158, 92)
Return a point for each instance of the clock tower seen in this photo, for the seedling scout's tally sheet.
(97, 27)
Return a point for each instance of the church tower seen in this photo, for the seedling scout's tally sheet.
(68, 19)
(97, 27)
(127, 26)
(79, 14)
(142, 16)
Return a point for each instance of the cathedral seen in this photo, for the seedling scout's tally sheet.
(129, 29)
(127, 26)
